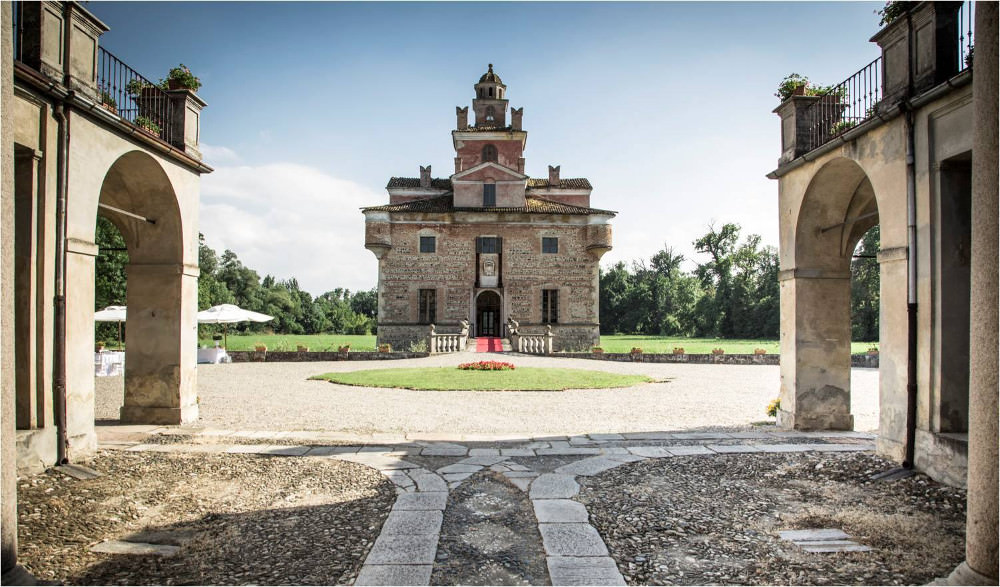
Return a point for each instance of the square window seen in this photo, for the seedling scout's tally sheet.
(550, 306)
(550, 244)
(489, 195)
(488, 244)
(427, 306)
(428, 244)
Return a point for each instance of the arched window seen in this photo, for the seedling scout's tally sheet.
(489, 153)
(490, 113)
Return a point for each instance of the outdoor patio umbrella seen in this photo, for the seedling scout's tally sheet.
(228, 314)
(112, 314)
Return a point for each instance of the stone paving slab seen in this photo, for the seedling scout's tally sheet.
(567, 451)
(554, 486)
(648, 436)
(326, 451)
(572, 540)
(776, 448)
(589, 467)
(560, 511)
(394, 575)
(701, 435)
(143, 548)
(652, 452)
(444, 452)
(821, 546)
(591, 570)
(813, 534)
(412, 522)
(843, 447)
(484, 452)
(732, 448)
(517, 452)
(403, 550)
(428, 500)
(682, 451)
(459, 468)
(483, 460)
(427, 481)
(521, 483)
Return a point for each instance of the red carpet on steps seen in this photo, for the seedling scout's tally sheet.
(488, 344)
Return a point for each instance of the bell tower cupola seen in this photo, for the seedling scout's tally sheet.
(490, 105)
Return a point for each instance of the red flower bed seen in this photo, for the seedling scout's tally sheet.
(487, 366)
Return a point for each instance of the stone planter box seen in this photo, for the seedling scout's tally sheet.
(300, 356)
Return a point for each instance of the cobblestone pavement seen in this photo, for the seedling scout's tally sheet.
(279, 396)
(545, 472)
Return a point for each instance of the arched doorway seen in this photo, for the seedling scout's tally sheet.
(837, 209)
(488, 314)
(161, 293)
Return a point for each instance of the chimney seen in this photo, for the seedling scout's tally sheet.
(425, 176)
(554, 175)
(463, 117)
(515, 117)
(520, 164)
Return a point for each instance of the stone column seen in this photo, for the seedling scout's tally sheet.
(815, 350)
(8, 483)
(980, 566)
(160, 375)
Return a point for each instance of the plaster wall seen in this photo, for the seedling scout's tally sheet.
(815, 254)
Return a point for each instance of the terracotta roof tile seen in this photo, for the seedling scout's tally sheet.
(570, 183)
(445, 204)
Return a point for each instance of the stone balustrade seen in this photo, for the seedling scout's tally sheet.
(447, 343)
(536, 344)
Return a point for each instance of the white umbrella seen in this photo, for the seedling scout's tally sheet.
(228, 314)
(112, 314)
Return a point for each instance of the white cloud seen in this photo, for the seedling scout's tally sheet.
(216, 155)
(291, 220)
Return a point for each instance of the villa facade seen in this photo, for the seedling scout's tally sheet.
(488, 243)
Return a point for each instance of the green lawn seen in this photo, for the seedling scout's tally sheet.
(288, 342)
(620, 343)
(451, 378)
(623, 343)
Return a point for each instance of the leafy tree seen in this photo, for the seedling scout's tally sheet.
(110, 278)
(865, 288)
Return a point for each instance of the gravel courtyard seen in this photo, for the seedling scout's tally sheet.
(279, 396)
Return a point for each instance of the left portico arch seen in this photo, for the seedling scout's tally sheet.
(139, 198)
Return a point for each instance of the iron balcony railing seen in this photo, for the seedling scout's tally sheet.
(845, 105)
(123, 91)
(854, 100)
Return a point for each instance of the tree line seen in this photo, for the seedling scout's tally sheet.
(224, 279)
(732, 293)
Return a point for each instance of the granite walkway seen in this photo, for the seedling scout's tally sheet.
(425, 471)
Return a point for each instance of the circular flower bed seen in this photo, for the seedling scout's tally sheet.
(487, 366)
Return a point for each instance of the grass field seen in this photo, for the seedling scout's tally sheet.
(621, 343)
(288, 342)
(520, 379)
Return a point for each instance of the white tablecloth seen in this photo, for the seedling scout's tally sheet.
(109, 363)
(212, 355)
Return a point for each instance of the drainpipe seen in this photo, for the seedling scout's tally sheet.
(911, 294)
(59, 330)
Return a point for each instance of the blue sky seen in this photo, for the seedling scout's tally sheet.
(665, 107)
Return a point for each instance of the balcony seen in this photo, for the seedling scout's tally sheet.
(924, 47)
(95, 79)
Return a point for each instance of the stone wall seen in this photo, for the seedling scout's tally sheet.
(295, 356)
(524, 272)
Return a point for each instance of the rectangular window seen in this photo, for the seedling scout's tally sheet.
(427, 306)
(428, 244)
(550, 306)
(550, 244)
(489, 195)
(488, 244)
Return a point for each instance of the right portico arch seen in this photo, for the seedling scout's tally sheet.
(822, 224)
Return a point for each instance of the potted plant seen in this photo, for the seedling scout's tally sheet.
(147, 124)
(678, 350)
(793, 85)
(108, 102)
(718, 351)
(260, 347)
(181, 78)
(385, 348)
(301, 348)
(759, 352)
(773, 407)
(597, 350)
(344, 349)
(99, 346)
(873, 350)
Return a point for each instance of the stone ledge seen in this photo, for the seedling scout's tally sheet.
(296, 356)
